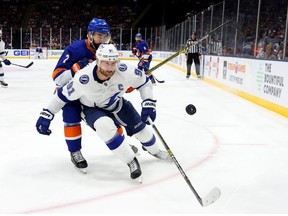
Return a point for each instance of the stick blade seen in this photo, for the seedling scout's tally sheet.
(29, 65)
(211, 197)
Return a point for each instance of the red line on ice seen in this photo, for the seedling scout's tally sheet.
(208, 156)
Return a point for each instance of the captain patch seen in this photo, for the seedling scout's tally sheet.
(84, 79)
(122, 67)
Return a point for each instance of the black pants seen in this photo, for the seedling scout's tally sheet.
(193, 57)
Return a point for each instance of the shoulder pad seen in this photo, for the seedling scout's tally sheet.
(122, 67)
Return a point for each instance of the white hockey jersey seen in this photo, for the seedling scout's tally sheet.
(2, 49)
(91, 92)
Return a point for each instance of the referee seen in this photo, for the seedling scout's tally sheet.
(193, 53)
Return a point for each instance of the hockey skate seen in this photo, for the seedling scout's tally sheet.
(79, 161)
(135, 170)
(161, 155)
(3, 84)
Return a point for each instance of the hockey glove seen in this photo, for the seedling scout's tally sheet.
(148, 110)
(7, 62)
(44, 121)
(134, 50)
(80, 64)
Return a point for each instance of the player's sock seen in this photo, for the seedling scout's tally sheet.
(73, 135)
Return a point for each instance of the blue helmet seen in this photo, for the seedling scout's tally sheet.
(138, 35)
(99, 25)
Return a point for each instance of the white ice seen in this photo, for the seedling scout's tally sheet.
(229, 143)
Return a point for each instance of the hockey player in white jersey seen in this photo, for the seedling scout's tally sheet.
(5, 60)
(100, 88)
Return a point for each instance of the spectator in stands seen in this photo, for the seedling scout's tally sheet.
(269, 50)
(215, 45)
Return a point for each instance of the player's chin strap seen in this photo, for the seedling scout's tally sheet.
(91, 41)
(94, 45)
(108, 38)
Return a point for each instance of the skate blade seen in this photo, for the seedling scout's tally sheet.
(138, 180)
(82, 170)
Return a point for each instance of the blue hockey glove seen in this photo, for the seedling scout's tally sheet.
(148, 110)
(134, 50)
(7, 62)
(44, 121)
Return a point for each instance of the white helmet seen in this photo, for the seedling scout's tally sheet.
(107, 52)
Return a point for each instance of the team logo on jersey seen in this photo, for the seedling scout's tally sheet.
(84, 79)
(122, 67)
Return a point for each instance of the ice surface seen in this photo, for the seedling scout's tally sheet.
(229, 143)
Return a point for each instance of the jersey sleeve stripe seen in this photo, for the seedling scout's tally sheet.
(57, 72)
(72, 132)
(147, 79)
(61, 96)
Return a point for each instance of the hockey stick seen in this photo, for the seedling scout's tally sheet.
(27, 66)
(187, 47)
(159, 81)
(211, 197)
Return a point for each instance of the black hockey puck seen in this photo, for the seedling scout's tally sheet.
(191, 109)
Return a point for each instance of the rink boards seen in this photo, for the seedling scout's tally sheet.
(264, 82)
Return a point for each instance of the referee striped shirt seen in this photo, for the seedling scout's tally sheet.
(192, 49)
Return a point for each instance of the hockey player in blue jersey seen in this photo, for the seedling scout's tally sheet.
(39, 53)
(142, 51)
(76, 56)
